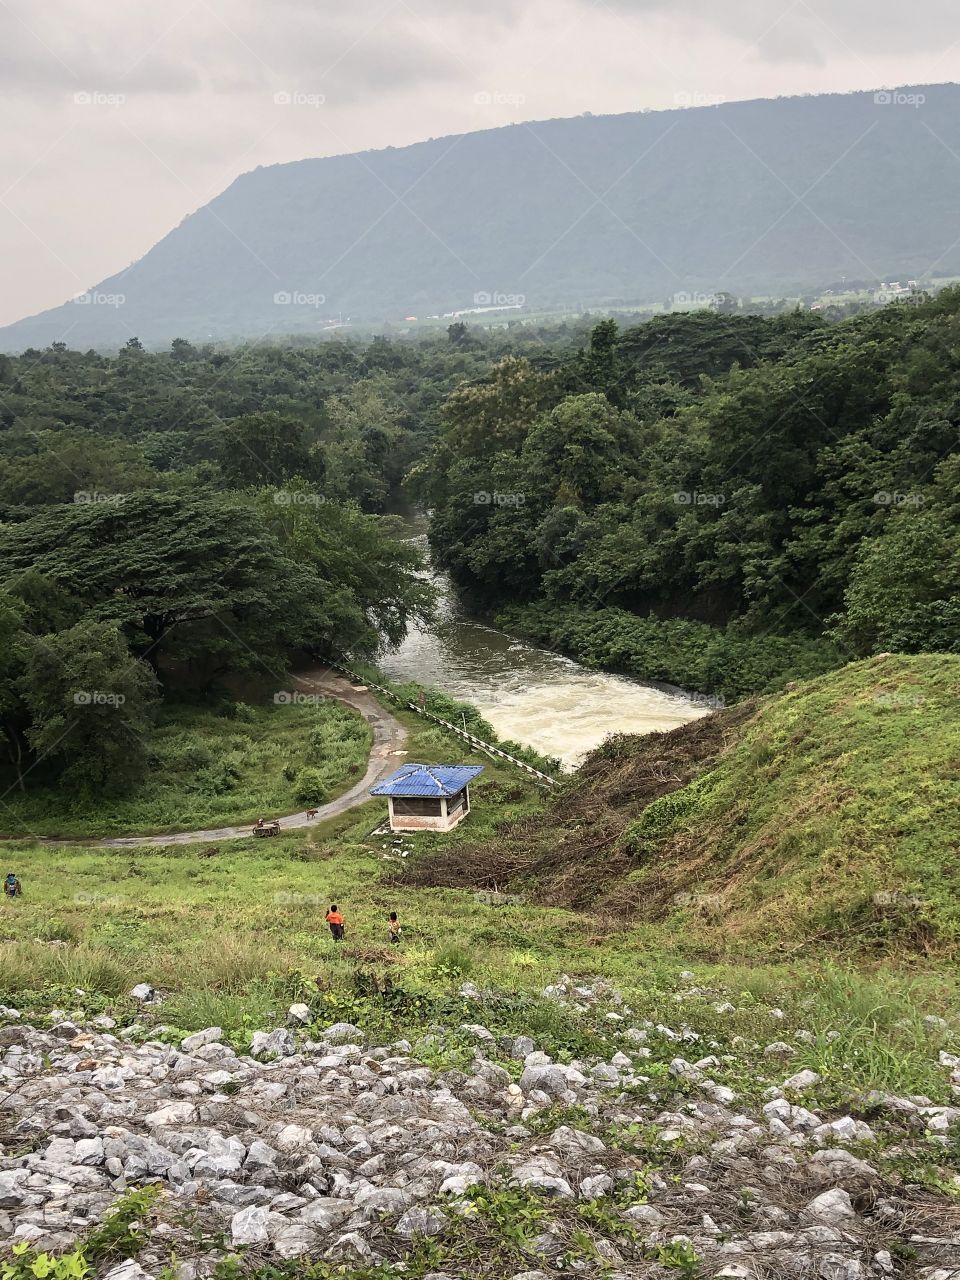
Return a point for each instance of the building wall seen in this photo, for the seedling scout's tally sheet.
(452, 813)
(443, 821)
(417, 822)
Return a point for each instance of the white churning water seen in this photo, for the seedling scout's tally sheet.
(528, 694)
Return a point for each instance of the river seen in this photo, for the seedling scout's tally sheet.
(528, 694)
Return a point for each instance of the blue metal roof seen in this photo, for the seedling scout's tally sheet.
(427, 780)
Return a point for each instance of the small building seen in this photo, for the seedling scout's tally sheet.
(428, 797)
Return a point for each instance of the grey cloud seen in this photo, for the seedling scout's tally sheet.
(49, 50)
(352, 58)
(200, 76)
(814, 30)
(230, 50)
(28, 65)
(382, 67)
(508, 12)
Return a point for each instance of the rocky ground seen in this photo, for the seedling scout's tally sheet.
(319, 1145)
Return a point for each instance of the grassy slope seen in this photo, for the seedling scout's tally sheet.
(836, 817)
(229, 925)
(210, 769)
(829, 814)
(232, 937)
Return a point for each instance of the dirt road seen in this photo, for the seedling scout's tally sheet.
(389, 740)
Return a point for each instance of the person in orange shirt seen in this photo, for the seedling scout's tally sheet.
(335, 921)
(393, 928)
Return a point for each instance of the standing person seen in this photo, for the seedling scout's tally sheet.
(393, 927)
(11, 886)
(335, 921)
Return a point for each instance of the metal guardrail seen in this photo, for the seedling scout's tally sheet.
(474, 741)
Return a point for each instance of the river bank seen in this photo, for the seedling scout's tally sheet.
(528, 693)
(727, 664)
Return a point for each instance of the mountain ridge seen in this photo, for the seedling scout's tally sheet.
(762, 196)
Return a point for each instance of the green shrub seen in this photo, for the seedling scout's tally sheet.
(184, 756)
(311, 788)
(453, 960)
(725, 662)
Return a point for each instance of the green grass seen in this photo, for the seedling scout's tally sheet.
(233, 939)
(833, 822)
(232, 935)
(212, 768)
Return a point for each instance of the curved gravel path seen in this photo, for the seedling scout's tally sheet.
(389, 740)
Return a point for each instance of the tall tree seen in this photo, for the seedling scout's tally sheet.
(89, 704)
(266, 448)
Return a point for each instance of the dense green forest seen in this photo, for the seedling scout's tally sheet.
(724, 502)
(169, 522)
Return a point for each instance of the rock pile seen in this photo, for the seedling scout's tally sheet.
(332, 1149)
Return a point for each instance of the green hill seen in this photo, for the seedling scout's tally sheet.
(828, 815)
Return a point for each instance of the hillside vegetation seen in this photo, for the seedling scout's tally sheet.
(828, 816)
(724, 502)
(605, 209)
(516, 1084)
(225, 764)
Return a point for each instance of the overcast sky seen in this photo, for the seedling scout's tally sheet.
(121, 118)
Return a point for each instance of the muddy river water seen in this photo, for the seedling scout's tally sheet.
(527, 693)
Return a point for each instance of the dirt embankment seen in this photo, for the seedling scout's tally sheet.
(574, 854)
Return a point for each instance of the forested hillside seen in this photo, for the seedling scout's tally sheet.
(718, 501)
(757, 198)
(173, 522)
(169, 523)
(725, 502)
